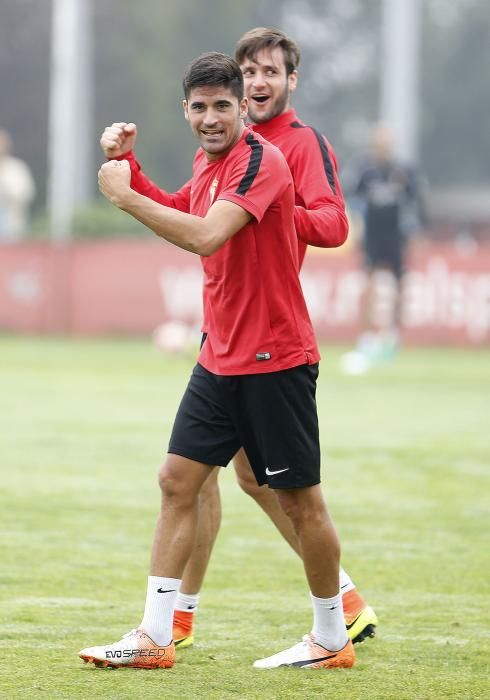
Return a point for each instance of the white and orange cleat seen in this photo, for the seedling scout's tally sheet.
(309, 654)
(135, 650)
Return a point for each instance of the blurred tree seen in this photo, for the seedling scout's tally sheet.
(339, 79)
(142, 49)
(455, 95)
(140, 80)
(338, 88)
(25, 30)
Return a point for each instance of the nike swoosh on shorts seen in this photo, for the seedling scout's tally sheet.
(279, 471)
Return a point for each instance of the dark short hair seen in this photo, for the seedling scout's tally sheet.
(268, 38)
(214, 69)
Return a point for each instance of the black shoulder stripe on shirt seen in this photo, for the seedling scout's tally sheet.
(253, 165)
(327, 163)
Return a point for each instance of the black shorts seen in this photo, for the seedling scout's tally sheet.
(273, 416)
(385, 250)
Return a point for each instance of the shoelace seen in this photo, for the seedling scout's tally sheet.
(128, 634)
(300, 646)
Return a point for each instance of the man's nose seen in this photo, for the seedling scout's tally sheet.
(258, 80)
(210, 118)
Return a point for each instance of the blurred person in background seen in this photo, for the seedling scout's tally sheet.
(269, 60)
(390, 197)
(17, 192)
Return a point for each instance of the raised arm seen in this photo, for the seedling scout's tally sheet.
(117, 142)
(200, 235)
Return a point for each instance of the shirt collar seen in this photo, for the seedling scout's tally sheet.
(275, 123)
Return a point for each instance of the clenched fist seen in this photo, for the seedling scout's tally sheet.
(115, 181)
(118, 139)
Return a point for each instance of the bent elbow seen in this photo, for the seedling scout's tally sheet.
(203, 252)
(342, 232)
(343, 235)
(208, 245)
(204, 249)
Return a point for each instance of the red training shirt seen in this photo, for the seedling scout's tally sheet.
(319, 215)
(254, 309)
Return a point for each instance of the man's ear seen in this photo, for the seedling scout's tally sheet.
(185, 107)
(293, 81)
(243, 108)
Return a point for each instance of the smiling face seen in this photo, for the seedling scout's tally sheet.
(216, 117)
(267, 84)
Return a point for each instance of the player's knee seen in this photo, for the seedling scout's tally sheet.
(246, 478)
(170, 482)
(291, 505)
(249, 485)
(210, 488)
(300, 508)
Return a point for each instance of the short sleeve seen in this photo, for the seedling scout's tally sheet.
(258, 176)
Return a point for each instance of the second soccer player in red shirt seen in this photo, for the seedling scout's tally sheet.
(269, 60)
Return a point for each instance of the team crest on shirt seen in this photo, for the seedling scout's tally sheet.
(212, 189)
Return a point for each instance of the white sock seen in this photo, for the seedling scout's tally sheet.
(159, 608)
(346, 584)
(328, 622)
(187, 602)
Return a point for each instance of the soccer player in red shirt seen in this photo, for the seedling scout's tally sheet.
(255, 381)
(269, 60)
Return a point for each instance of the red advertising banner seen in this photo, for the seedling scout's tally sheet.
(134, 286)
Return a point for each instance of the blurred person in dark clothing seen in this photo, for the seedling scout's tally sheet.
(390, 197)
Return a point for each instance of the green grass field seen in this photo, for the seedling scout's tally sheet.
(405, 450)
